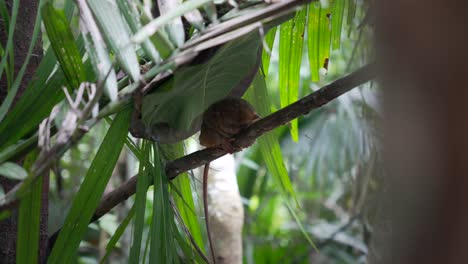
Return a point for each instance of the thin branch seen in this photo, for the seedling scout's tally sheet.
(281, 117)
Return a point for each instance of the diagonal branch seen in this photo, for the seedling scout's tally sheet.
(268, 123)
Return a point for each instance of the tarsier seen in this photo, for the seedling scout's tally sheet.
(221, 122)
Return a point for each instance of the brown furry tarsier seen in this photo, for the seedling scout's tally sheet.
(221, 122)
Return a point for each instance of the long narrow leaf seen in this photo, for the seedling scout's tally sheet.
(351, 12)
(11, 31)
(290, 58)
(97, 51)
(162, 237)
(117, 35)
(140, 202)
(318, 41)
(269, 40)
(87, 198)
(63, 43)
(269, 146)
(29, 217)
(337, 22)
(184, 199)
(40, 97)
(151, 28)
(118, 233)
(131, 16)
(9, 66)
(16, 84)
(301, 226)
(174, 29)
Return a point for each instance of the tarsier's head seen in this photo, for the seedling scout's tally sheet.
(224, 119)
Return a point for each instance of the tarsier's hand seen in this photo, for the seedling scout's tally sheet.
(223, 120)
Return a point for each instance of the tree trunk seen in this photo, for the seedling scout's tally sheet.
(226, 213)
(22, 38)
(423, 53)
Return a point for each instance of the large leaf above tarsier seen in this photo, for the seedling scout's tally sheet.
(196, 87)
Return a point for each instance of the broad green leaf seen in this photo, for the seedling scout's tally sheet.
(337, 22)
(144, 171)
(183, 199)
(269, 40)
(318, 41)
(29, 217)
(62, 41)
(257, 95)
(163, 249)
(117, 234)
(117, 35)
(13, 171)
(16, 84)
(197, 87)
(87, 198)
(290, 58)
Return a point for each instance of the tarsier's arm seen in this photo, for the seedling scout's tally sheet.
(221, 122)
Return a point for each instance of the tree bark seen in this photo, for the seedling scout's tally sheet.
(22, 38)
